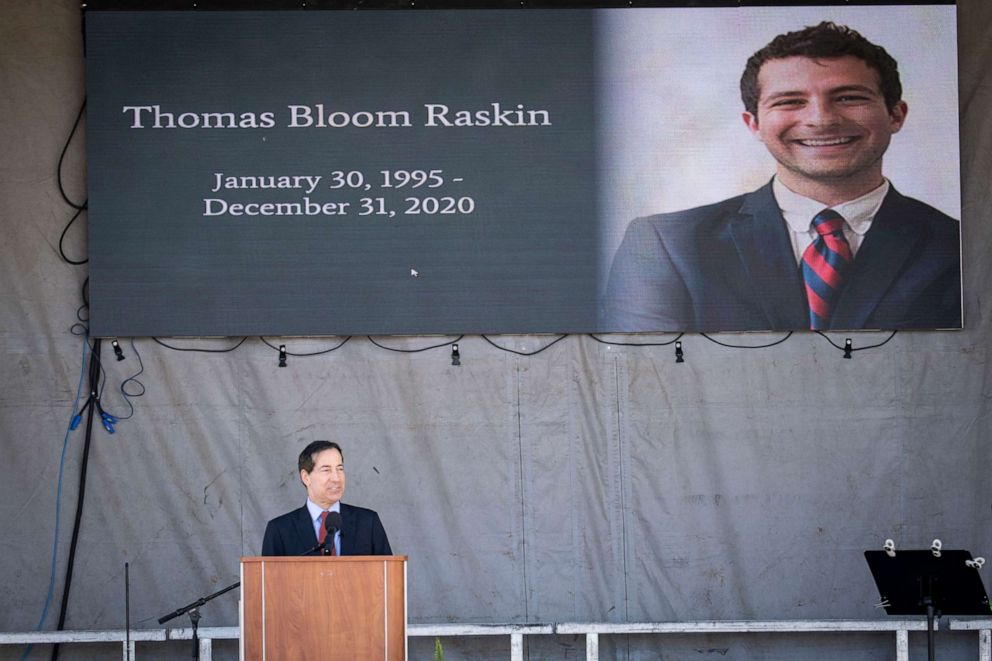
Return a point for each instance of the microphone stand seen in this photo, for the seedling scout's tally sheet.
(127, 614)
(320, 547)
(194, 615)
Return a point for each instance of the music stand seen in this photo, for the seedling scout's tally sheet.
(920, 583)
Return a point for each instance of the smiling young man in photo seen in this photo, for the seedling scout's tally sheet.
(827, 244)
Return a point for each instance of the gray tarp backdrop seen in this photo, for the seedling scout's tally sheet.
(586, 483)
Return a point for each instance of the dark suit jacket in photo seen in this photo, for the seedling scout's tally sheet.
(293, 534)
(730, 266)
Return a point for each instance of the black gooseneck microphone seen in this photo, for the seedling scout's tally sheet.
(332, 524)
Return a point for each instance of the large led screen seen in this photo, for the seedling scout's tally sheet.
(414, 172)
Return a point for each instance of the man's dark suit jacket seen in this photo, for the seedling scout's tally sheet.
(292, 533)
(730, 266)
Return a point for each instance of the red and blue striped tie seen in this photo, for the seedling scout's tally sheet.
(825, 265)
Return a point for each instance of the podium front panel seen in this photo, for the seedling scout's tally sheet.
(351, 607)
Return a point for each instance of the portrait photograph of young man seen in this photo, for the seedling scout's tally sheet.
(827, 229)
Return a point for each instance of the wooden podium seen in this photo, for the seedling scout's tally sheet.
(328, 608)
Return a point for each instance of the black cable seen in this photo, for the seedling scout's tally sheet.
(304, 355)
(134, 377)
(745, 346)
(74, 262)
(433, 346)
(123, 387)
(81, 328)
(638, 344)
(103, 384)
(78, 207)
(169, 346)
(58, 173)
(94, 377)
(871, 346)
(526, 353)
(875, 346)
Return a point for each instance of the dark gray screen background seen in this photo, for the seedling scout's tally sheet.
(524, 261)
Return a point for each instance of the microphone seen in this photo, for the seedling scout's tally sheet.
(332, 524)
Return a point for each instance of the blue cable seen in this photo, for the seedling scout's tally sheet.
(58, 497)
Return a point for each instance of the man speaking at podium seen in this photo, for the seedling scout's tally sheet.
(303, 530)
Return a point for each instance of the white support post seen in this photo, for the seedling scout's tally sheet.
(902, 645)
(206, 649)
(128, 649)
(516, 647)
(592, 647)
(985, 645)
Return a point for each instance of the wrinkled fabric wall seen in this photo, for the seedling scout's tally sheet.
(589, 482)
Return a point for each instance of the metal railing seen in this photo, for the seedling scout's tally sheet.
(516, 632)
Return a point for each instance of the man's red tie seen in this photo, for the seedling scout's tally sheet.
(825, 265)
